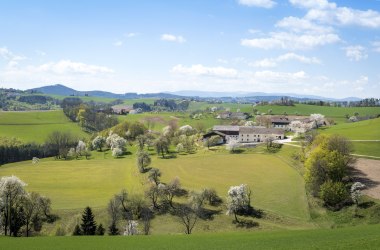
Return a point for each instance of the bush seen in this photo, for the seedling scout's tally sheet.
(333, 193)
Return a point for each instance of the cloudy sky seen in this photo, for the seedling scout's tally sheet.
(299, 46)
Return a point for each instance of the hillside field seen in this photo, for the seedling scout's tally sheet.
(363, 237)
(35, 126)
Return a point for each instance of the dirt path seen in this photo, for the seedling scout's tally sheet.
(368, 172)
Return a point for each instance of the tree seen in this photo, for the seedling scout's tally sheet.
(117, 152)
(11, 193)
(136, 129)
(211, 196)
(319, 119)
(88, 225)
(162, 146)
(188, 217)
(168, 191)
(356, 192)
(32, 210)
(154, 175)
(131, 228)
(98, 142)
(146, 217)
(143, 161)
(81, 148)
(113, 230)
(152, 193)
(141, 141)
(238, 200)
(100, 230)
(77, 231)
(232, 146)
(60, 142)
(179, 148)
(333, 193)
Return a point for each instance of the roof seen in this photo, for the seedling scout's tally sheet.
(225, 128)
(256, 130)
(214, 133)
(122, 107)
(280, 120)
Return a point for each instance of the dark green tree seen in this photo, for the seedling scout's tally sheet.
(113, 230)
(88, 224)
(77, 231)
(100, 230)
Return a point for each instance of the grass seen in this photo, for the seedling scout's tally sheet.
(162, 119)
(304, 109)
(276, 186)
(363, 130)
(35, 126)
(363, 237)
(367, 148)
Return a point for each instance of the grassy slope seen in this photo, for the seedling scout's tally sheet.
(364, 130)
(333, 112)
(183, 119)
(276, 186)
(35, 126)
(363, 237)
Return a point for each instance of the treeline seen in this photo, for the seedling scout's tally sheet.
(91, 116)
(163, 105)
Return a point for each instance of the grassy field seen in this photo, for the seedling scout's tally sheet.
(363, 130)
(162, 119)
(276, 186)
(35, 126)
(363, 237)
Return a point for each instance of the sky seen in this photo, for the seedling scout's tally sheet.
(317, 47)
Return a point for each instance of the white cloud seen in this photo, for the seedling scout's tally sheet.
(279, 77)
(291, 41)
(12, 59)
(356, 53)
(310, 4)
(118, 43)
(200, 70)
(172, 38)
(296, 24)
(69, 67)
(131, 34)
(258, 3)
(324, 11)
(272, 62)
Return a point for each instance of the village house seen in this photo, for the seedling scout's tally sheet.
(245, 134)
(280, 122)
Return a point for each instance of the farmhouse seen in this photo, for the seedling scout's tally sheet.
(280, 122)
(246, 134)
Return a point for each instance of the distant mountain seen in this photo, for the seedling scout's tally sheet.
(269, 96)
(62, 90)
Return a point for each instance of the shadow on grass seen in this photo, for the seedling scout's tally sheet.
(244, 223)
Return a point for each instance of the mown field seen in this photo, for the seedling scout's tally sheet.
(363, 237)
(35, 126)
(98, 179)
(363, 130)
(277, 188)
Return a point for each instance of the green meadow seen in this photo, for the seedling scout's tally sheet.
(35, 126)
(363, 237)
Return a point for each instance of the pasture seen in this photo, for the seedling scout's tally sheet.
(362, 237)
(35, 126)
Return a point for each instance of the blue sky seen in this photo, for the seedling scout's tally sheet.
(300, 46)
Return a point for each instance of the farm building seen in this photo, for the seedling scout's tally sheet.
(232, 115)
(246, 134)
(280, 122)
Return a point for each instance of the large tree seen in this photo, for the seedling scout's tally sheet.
(88, 225)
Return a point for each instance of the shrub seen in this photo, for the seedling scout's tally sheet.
(333, 193)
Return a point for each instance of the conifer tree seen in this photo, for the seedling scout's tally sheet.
(88, 225)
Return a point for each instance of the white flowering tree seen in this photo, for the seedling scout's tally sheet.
(319, 119)
(356, 191)
(98, 142)
(35, 160)
(232, 145)
(238, 200)
(81, 148)
(131, 228)
(11, 193)
(117, 152)
(116, 141)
